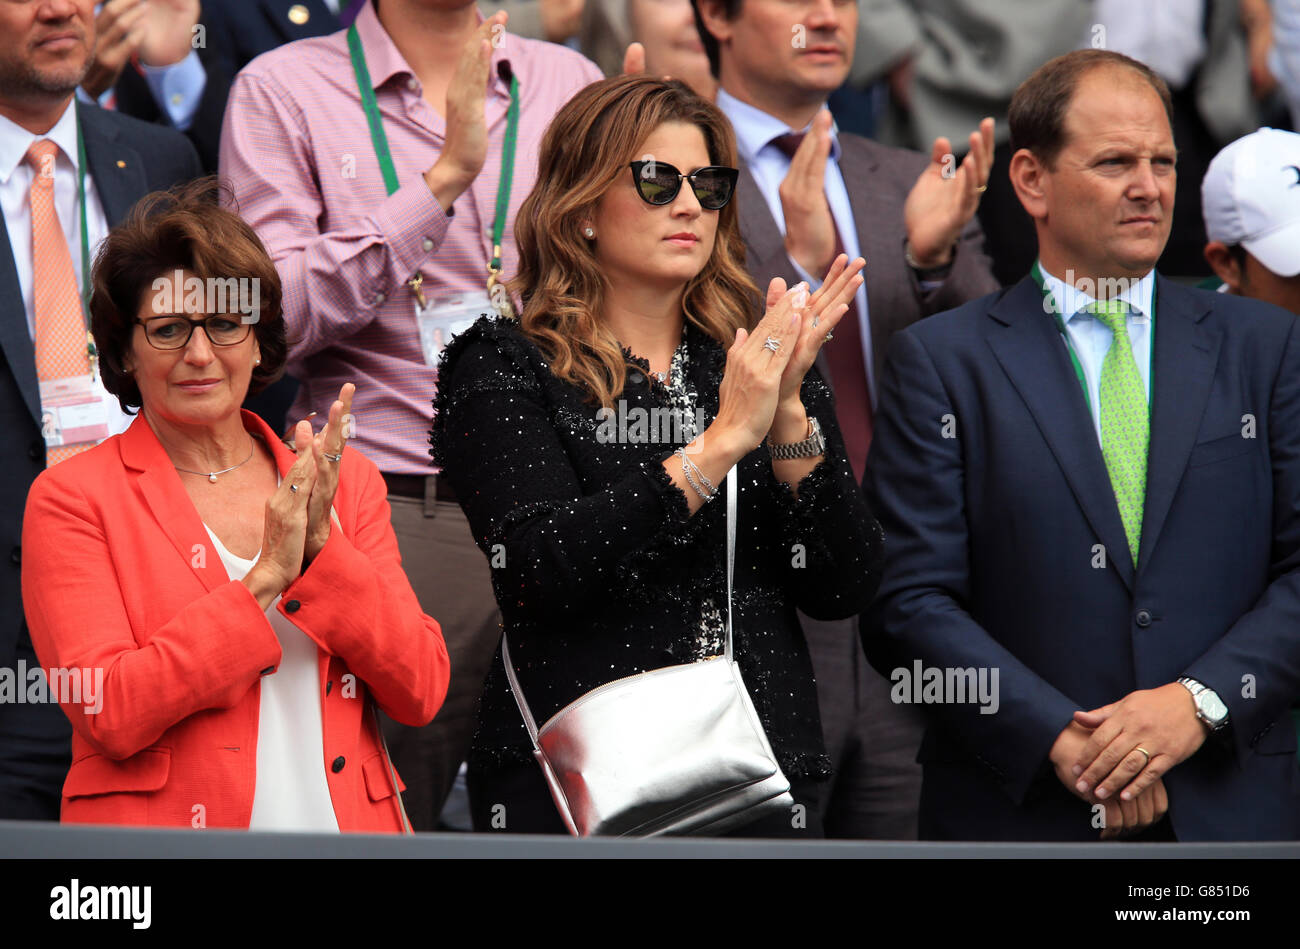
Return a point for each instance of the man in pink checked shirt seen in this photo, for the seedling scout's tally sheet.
(383, 242)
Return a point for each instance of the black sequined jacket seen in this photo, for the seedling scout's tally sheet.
(598, 567)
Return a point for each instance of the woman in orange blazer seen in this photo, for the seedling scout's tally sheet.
(240, 603)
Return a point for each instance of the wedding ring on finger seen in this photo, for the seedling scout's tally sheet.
(982, 188)
(1145, 754)
(332, 457)
(772, 343)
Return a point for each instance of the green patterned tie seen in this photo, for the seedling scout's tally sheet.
(1125, 422)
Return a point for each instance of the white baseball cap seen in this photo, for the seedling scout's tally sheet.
(1251, 196)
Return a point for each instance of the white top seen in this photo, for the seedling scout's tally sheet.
(291, 791)
(1092, 338)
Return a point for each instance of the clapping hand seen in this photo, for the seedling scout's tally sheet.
(945, 198)
(160, 32)
(818, 319)
(327, 450)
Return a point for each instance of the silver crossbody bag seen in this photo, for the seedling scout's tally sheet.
(678, 750)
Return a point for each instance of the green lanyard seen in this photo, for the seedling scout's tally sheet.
(1055, 310)
(85, 246)
(385, 155)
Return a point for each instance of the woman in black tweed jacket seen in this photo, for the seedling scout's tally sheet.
(560, 443)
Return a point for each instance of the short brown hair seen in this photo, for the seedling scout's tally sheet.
(1037, 113)
(181, 229)
(585, 150)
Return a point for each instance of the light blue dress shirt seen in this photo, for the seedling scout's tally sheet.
(1091, 338)
(177, 88)
(755, 130)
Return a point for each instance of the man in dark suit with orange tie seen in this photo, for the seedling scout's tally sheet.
(805, 194)
(1090, 489)
(45, 49)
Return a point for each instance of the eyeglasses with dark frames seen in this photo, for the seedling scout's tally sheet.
(658, 183)
(174, 332)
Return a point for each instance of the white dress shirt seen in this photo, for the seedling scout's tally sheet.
(755, 130)
(291, 791)
(15, 199)
(1091, 338)
(16, 194)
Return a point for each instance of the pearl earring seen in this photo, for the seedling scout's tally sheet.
(589, 233)
(257, 361)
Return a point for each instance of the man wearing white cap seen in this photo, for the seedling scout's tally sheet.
(1251, 200)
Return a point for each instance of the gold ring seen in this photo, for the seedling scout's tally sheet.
(1146, 753)
(982, 188)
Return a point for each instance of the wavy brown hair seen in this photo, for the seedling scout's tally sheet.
(562, 290)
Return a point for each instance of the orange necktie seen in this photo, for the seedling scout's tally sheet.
(60, 325)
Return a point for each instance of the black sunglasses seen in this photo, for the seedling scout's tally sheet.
(658, 183)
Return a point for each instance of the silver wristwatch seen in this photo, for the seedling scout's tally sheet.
(810, 447)
(1209, 707)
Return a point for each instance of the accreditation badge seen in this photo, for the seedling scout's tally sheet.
(75, 410)
(442, 317)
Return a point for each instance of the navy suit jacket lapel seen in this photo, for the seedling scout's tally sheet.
(114, 166)
(1183, 365)
(15, 340)
(1029, 347)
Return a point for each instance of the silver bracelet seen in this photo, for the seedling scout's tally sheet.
(708, 485)
(688, 467)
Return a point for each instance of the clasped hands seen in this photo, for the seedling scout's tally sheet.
(1117, 755)
(298, 513)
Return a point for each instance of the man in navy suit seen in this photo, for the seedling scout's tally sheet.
(44, 52)
(1090, 488)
